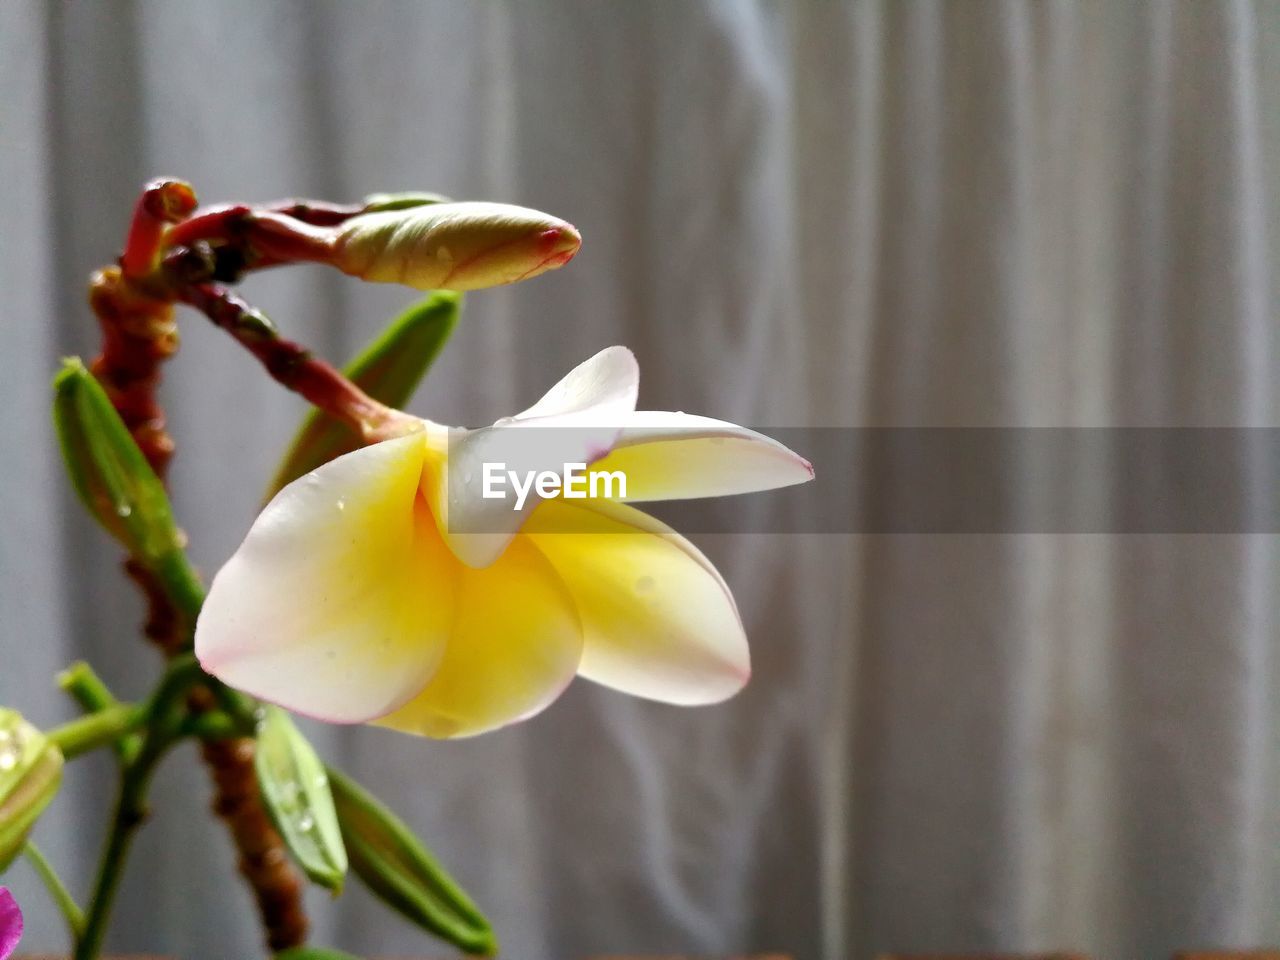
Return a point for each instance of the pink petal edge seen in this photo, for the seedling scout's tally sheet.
(10, 923)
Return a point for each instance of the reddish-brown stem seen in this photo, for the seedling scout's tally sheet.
(134, 305)
(293, 365)
(221, 222)
(162, 202)
(262, 238)
(318, 213)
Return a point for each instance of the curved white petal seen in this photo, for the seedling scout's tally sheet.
(338, 603)
(678, 456)
(601, 389)
(515, 646)
(658, 619)
(576, 421)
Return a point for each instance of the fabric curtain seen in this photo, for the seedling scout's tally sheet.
(879, 214)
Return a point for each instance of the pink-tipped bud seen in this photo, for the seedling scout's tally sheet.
(453, 246)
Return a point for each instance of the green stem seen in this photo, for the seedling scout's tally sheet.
(131, 811)
(87, 689)
(96, 730)
(163, 716)
(181, 585)
(62, 898)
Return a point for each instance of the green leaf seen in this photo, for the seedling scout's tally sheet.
(117, 485)
(314, 953)
(389, 370)
(395, 865)
(295, 789)
(30, 775)
(378, 202)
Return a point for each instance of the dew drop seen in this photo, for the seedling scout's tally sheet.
(342, 504)
(645, 585)
(306, 822)
(123, 510)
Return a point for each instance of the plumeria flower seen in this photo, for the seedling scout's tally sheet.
(384, 587)
(10, 923)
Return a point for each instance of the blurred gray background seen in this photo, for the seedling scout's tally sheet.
(815, 213)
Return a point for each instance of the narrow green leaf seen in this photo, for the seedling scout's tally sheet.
(396, 866)
(389, 370)
(314, 953)
(117, 485)
(295, 789)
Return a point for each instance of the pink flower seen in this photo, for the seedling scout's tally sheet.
(10, 923)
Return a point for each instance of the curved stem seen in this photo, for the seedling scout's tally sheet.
(58, 891)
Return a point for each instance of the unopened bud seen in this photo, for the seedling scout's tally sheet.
(30, 774)
(453, 246)
(295, 789)
(108, 471)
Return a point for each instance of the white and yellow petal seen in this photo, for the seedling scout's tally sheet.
(577, 421)
(339, 602)
(515, 645)
(658, 620)
(678, 456)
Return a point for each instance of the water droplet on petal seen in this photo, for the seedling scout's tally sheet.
(306, 822)
(123, 510)
(8, 759)
(342, 504)
(645, 585)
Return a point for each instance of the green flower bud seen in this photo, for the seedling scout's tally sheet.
(453, 246)
(295, 788)
(116, 484)
(30, 774)
(400, 871)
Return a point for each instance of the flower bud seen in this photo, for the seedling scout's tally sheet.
(117, 485)
(453, 246)
(400, 871)
(295, 789)
(107, 469)
(30, 774)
